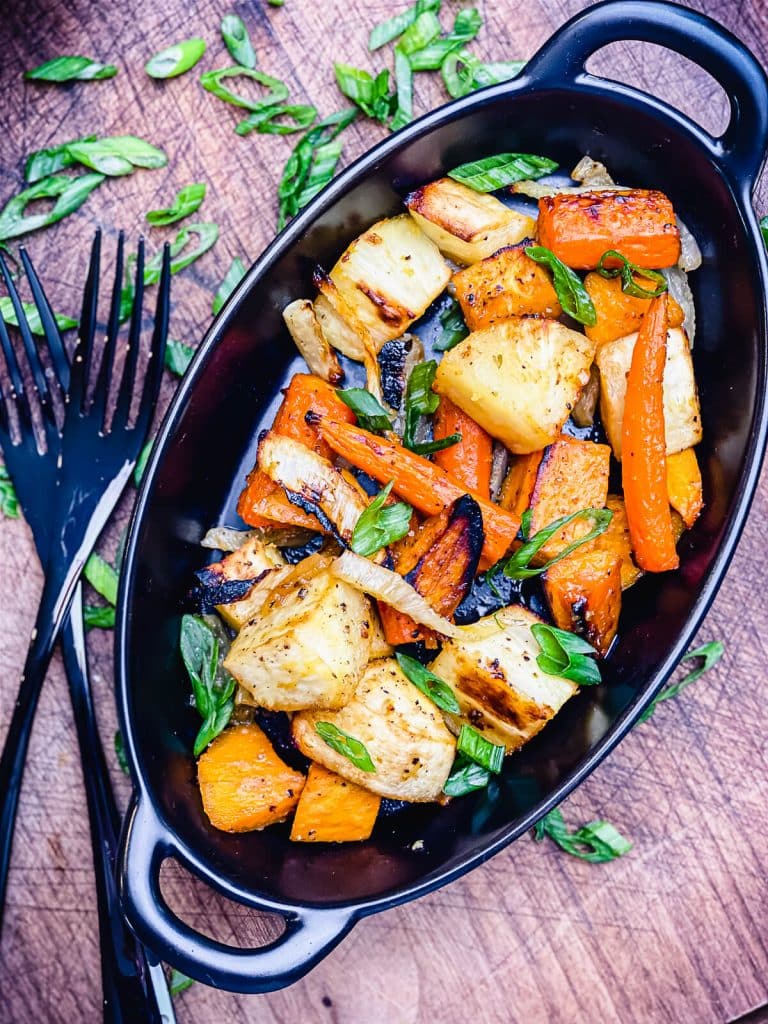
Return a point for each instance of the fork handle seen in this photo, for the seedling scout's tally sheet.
(131, 991)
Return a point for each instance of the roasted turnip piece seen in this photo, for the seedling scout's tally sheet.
(466, 225)
(402, 730)
(225, 584)
(311, 342)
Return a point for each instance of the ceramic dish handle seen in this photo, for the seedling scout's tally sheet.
(308, 936)
(742, 147)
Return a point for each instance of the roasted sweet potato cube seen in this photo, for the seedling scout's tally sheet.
(333, 810)
(619, 314)
(684, 485)
(584, 595)
(509, 283)
(243, 783)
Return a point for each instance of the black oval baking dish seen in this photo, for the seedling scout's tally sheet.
(207, 443)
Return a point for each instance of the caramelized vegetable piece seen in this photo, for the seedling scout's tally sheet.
(243, 783)
(643, 467)
(684, 485)
(639, 223)
(305, 329)
(469, 461)
(519, 482)
(333, 810)
(466, 225)
(584, 595)
(263, 502)
(616, 541)
(443, 575)
(509, 283)
(619, 314)
(572, 475)
(416, 480)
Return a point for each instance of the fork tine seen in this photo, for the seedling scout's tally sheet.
(83, 354)
(128, 383)
(48, 321)
(101, 390)
(154, 369)
(17, 394)
(33, 356)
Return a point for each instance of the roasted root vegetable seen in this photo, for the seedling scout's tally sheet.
(336, 331)
(572, 475)
(305, 329)
(494, 675)
(618, 313)
(411, 749)
(583, 591)
(469, 461)
(243, 783)
(682, 415)
(639, 223)
(518, 379)
(684, 488)
(616, 541)
(644, 465)
(417, 480)
(466, 225)
(443, 574)
(509, 283)
(519, 482)
(308, 644)
(246, 566)
(333, 810)
(388, 276)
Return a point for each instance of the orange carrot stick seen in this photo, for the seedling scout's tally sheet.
(644, 462)
(417, 480)
(469, 461)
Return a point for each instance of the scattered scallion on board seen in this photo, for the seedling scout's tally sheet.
(178, 356)
(188, 200)
(213, 82)
(71, 69)
(104, 579)
(280, 119)
(231, 280)
(597, 842)
(764, 229)
(708, 656)
(69, 195)
(120, 753)
(175, 60)
(9, 503)
(178, 982)
(370, 93)
(44, 162)
(8, 313)
(237, 41)
(117, 154)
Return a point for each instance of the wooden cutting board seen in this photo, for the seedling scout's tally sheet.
(675, 931)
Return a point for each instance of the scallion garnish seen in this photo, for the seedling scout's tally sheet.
(466, 777)
(390, 29)
(565, 654)
(517, 567)
(117, 154)
(597, 842)
(466, 25)
(371, 94)
(71, 69)
(404, 88)
(187, 202)
(494, 172)
(628, 271)
(69, 193)
(380, 525)
(271, 120)
(709, 654)
(212, 685)
(345, 745)
(371, 414)
(120, 753)
(35, 324)
(477, 748)
(764, 229)
(237, 41)
(420, 399)
(454, 329)
(9, 503)
(102, 577)
(231, 280)
(571, 293)
(212, 82)
(178, 356)
(432, 686)
(176, 59)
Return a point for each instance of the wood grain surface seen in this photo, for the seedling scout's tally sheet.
(674, 932)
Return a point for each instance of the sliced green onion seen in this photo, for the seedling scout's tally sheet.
(212, 686)
(419, 33)
(268, 121)
(420, 399)
(8, 313)
(71, 69)
(345, 745)
(565, 654)
(628, 270)
(370, 413)
(380, 525)
(44, 162)
(324, 161)
(178, 356)
(98, 616)
(454, 329)
(176, 59)
(237, 41)
(69, 193)
(494, 172)
(764, 230)
(480, 750)
(466, 777)
(117, 154)
(497, 71)
(179, 982)
(518, 565)
(571, 293)
(212, 81)
(9, 503)
(371, 94)
(466, 25)
(231, 280)
(597, 842)
(141, 463)
(404, 86)
(102, 577)
(187, 202)
(120, 753)
(709, 654)
(432, 686)
(390, 29)
(312, 164)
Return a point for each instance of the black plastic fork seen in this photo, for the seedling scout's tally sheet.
(127, 993)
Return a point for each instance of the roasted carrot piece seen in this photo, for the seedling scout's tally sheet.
(417, 480)
(638, 223)
(619, 314)
(243, 783)
(469, 461)
(572, 475)
(584, 595)
(519, 482)
(684, 485)
(333, 810)
(644, 449)
(262, 501)
(509, 283)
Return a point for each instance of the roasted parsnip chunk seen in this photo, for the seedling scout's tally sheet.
(509, 283)
(401, 729)
(305, 329)
(500, 688)
(307, 646)
(518, 379)
(253, 561)
(682, 415)
(466, 225)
